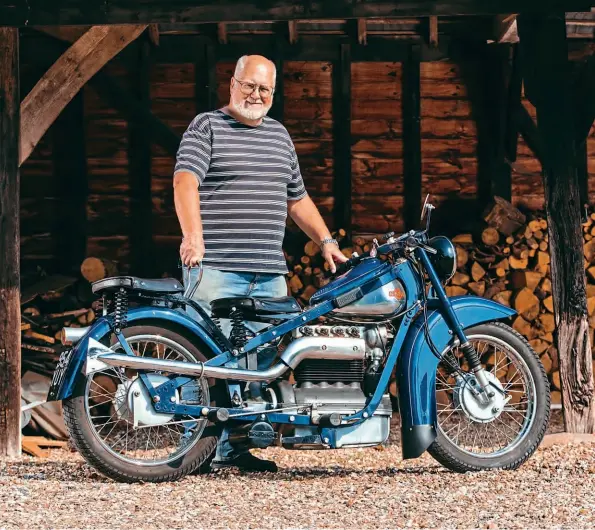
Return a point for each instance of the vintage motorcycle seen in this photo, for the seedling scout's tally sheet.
(148, 388)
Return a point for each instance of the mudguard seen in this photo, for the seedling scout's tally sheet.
(71, 361)
(416, 369)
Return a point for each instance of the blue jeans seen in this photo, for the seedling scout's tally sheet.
(223, 284)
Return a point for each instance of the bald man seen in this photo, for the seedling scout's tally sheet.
(236, 179)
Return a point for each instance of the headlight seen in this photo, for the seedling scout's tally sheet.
(445, 259)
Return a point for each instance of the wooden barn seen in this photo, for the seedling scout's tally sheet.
(385, 102)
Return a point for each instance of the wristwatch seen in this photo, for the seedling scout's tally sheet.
(328, 240)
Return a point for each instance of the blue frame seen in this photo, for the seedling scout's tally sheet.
(410, 352)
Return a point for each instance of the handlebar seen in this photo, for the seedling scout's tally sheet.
(408, 239)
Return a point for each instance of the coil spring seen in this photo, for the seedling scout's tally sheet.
(239, 334)
(120, 310)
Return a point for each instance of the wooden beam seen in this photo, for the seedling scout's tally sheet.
(293, 32)
(529, 132)
(342, 139)
(205, 76)
(66, 77)
(222, 32)
(510, 100)
(585, 100)
(139, 157)
(362, 31)
(153, 32)
(10, 311)
(70, 174)
(433, 31)
(545, 61)
(412, 138)
(278, 109)
(40, 12)
(505, 29)
(119, 98)
(177, 49)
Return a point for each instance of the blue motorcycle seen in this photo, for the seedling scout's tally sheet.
(149, 387)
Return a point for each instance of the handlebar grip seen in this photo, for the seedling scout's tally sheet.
(350, 263)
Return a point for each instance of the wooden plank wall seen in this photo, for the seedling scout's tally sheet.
(108, 201)
(40, 213)
(449, 158)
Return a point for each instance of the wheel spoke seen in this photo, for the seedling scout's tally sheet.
(490, 435)
(149, 444)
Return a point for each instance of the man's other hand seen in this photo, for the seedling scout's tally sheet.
(192, 250)
(332, 254)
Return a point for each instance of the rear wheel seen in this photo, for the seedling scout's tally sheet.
(155, 447)
(504, 434)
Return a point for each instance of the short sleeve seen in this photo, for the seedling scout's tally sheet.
(295, 188)
(194, 153)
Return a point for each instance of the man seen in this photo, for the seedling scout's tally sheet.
(236, 178)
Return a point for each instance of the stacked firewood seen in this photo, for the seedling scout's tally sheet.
(46, 307)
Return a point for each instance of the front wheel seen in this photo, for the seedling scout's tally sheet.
(472, 436)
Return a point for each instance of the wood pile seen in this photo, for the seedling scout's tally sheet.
(48, 304)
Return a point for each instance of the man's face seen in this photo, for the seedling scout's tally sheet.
(252, 90)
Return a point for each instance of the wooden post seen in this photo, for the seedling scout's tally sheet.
(547, 81)
(277, 110)
(342, 139)
(10, 308)
(205, 77)
(139, 156)
(508, 133)
(412, 137)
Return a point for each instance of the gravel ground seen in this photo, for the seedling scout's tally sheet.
(357, 488)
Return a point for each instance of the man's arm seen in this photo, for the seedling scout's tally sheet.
(187, 202)
(305, 214)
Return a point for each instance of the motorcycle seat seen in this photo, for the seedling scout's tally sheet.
(222, 307)
(140, 285)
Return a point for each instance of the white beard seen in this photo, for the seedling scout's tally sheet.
(250, 114)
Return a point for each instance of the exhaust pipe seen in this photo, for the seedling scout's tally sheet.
(70, 336)
(336, 348)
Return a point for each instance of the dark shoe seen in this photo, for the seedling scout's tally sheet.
(245, 462)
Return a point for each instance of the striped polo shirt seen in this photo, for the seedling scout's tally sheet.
(246, 175)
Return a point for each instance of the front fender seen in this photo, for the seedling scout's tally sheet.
(101, 327)
(416, 370)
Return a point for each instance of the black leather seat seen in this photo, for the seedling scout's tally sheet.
(141, 285)
(261, 307)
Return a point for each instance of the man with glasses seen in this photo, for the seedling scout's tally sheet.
(236, 179)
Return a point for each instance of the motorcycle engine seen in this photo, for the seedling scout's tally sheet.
(326, 386)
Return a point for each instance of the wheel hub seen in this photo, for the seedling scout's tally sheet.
(134, 404)
(474, 407)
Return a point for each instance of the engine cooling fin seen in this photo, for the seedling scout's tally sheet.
(330, 371)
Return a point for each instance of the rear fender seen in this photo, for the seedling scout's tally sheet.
(416, 369)
(101, 328)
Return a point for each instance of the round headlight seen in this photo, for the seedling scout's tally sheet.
(445, 259)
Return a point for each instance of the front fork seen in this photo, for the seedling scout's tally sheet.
(485, 390)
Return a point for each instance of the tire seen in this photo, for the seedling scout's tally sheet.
(97, 455)
(453, 457)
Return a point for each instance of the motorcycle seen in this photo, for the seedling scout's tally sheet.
(148, 388)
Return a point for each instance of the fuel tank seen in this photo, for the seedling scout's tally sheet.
(385, 301)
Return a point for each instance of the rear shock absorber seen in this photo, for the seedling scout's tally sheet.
(120, 310)
(239, 334)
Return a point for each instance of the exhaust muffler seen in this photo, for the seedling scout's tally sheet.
(70, 336)
(336, 348)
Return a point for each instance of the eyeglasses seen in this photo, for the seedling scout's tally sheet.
(248, 88)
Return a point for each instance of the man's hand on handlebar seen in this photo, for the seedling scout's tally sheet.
(192, 250)
(331, 254)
